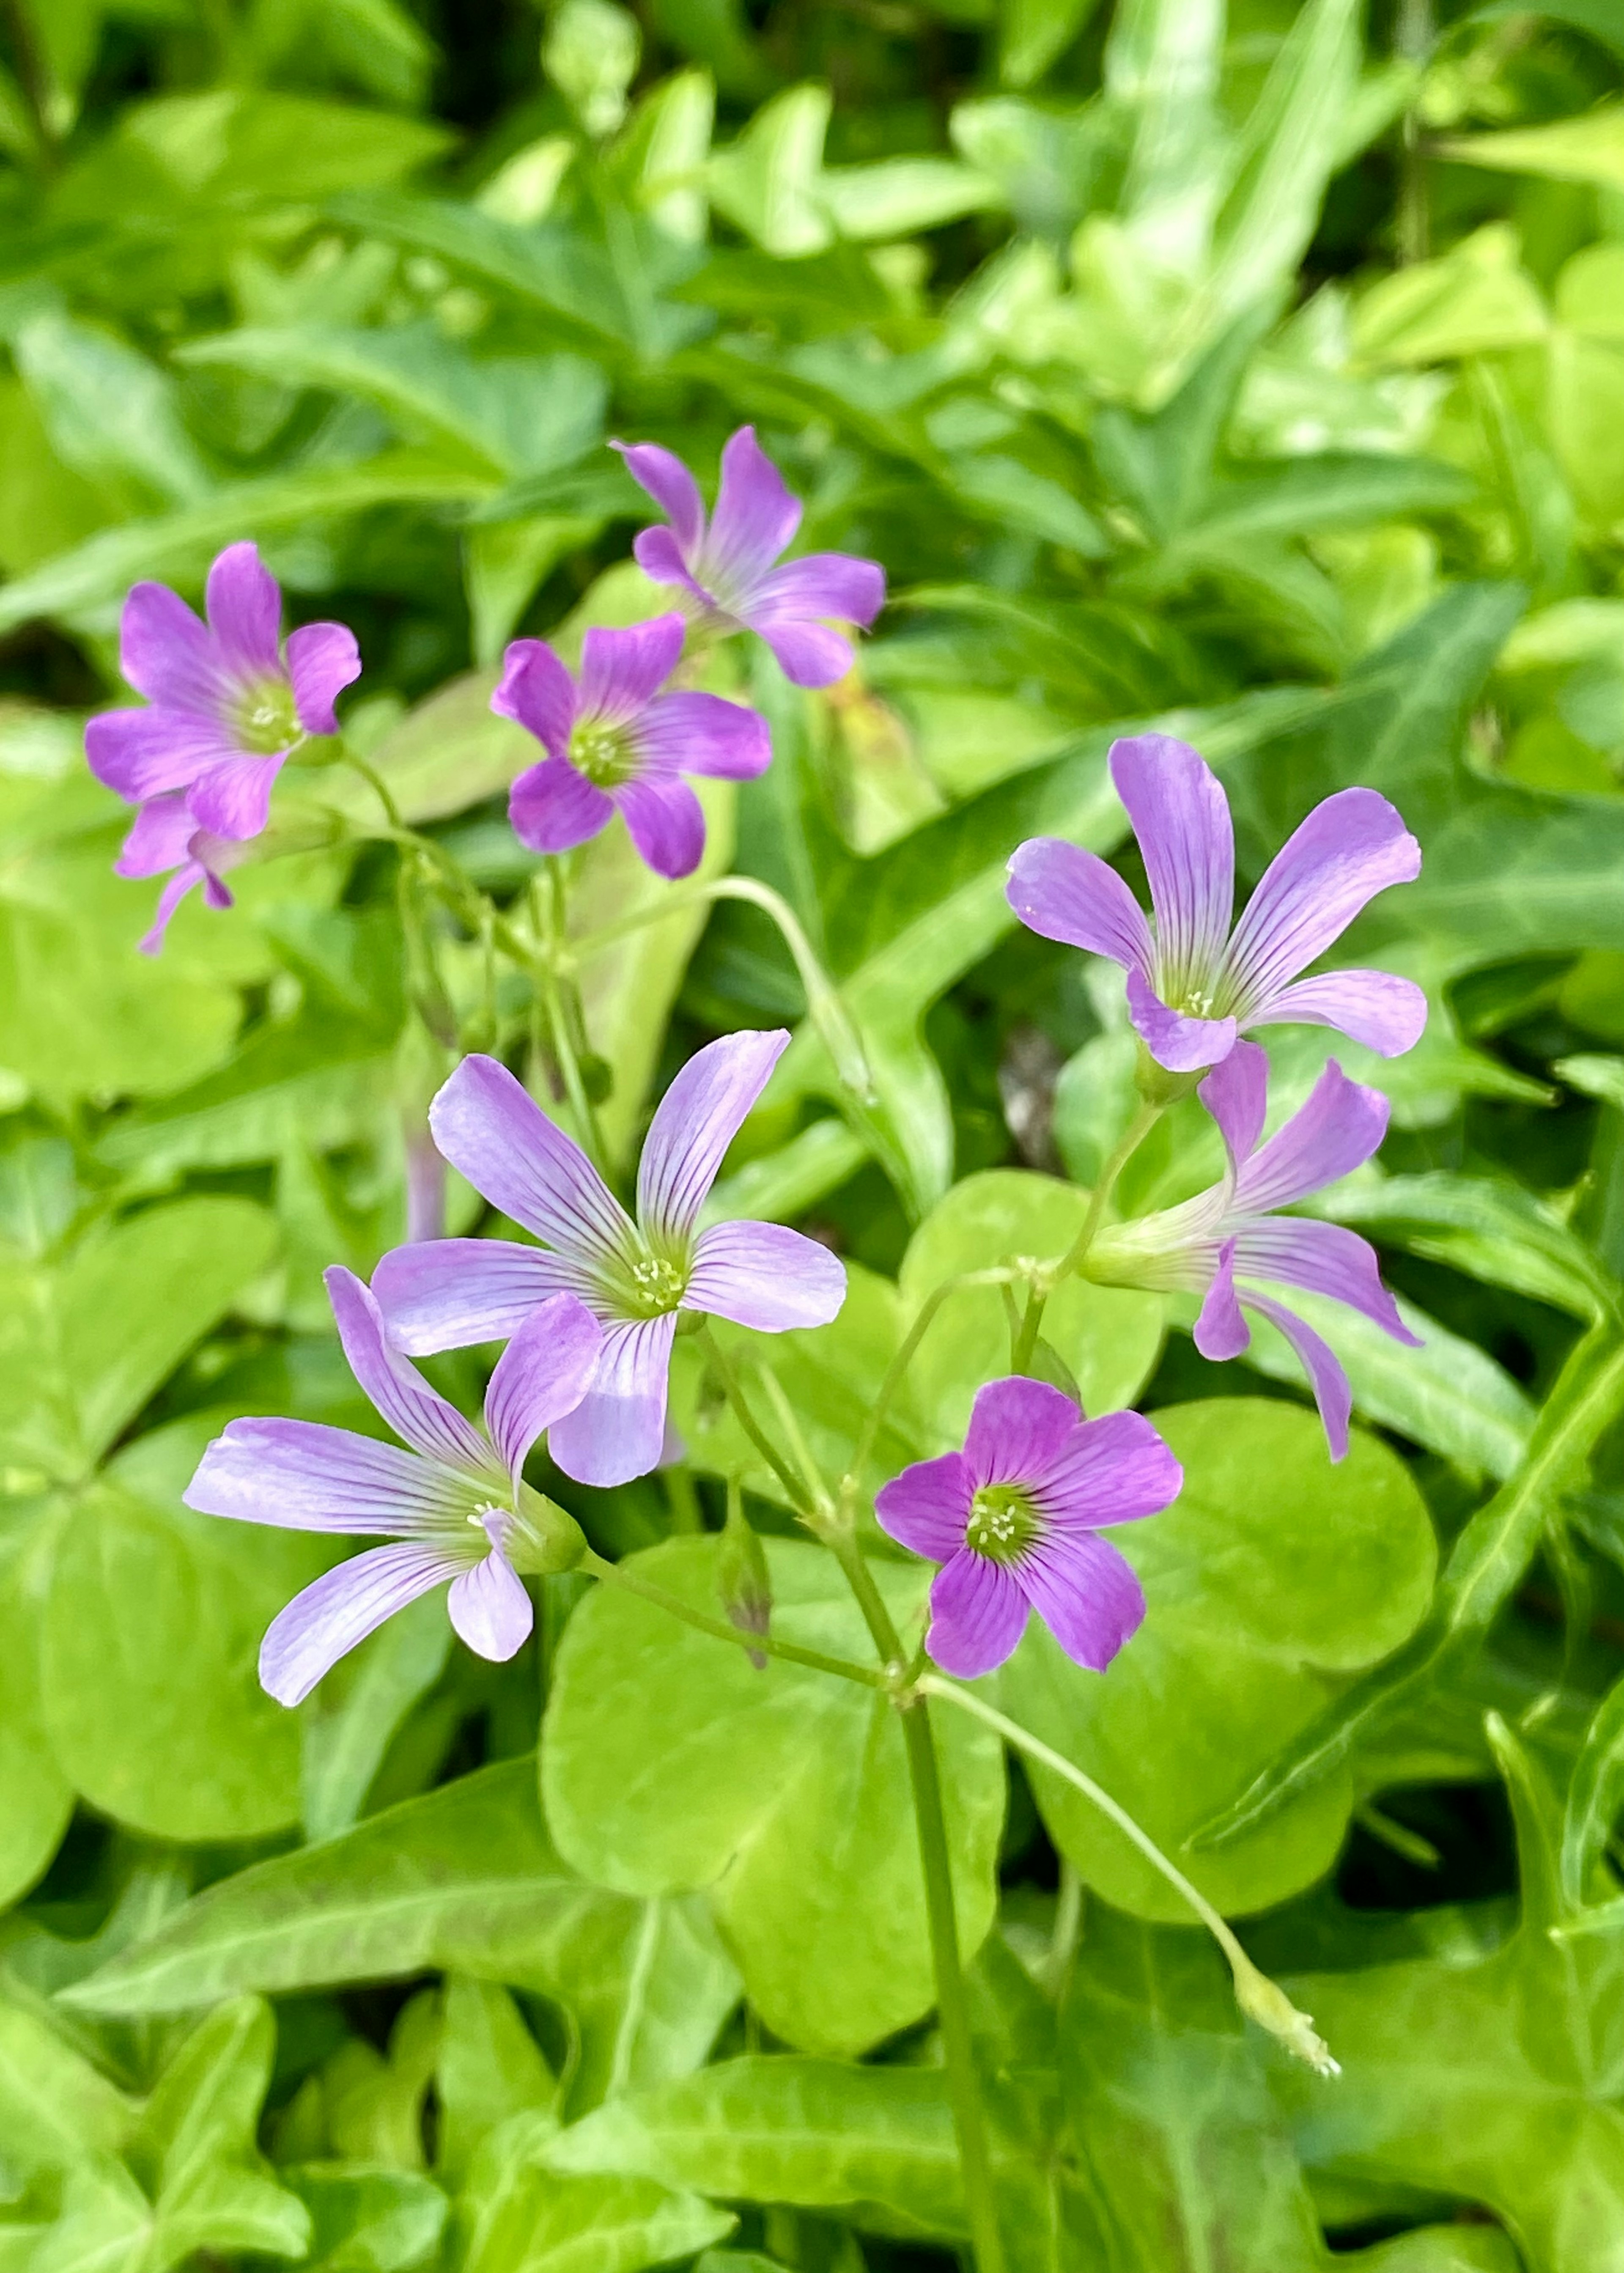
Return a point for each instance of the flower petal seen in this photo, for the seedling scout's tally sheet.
(184, 880)
(1236, 1093)
(142, 753)
(160, 837)
(244, 607)
(1182, 1045)
(1062, 892)
(662, 559)
(703, 734)
(537, 691)
(1112, 1470)
(623, 670)
(490, 1608)
(496, 1135)
(819, 585)
(1386, 1013)
(754, 519)
(167, 656)
(927, 1507)
(766, 1276)
(694, 1124)
(542, 1374)
(323, 659)
(977, 1616)
(1221, 1332)
(552, 808)
(1348, 849)
(1181, 818)
(1086, 1593)
(617, 1430)
(667, 822)
(1017, 1427)
(1320, 1362)
(1342, 1124)
(234, 799)
(340, 1609)
(808, 654)
(303, 1475)
(1323, 1258)
(443, 1294)
(671, 486)
(419, 1415)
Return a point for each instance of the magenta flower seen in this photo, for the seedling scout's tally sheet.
(224, 711)
(1220, 1242)
(637, 1277)
(1012, 1520)
(1192, 986)
(615, 743)
(726, 565)
(456, 1504)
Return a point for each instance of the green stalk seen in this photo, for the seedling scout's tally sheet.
(613, 1574)
(727, 1373)
(1139, 1128)
(891, 1379)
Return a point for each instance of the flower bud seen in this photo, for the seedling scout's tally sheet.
(743, 1580)
(1264, 2002)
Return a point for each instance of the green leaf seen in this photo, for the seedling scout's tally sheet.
(521, 2217)
(110, 413)
(1595, 1795)
(1033, 32)
(669, 1761)
(367, 2221)
(1488, 1227)
(36, 1798)
(358, 1708)
(1585, 149)
(56, 2109)
(490, 2067)
(1272, 1580)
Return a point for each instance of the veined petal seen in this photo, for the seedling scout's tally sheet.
(1320, 1362)
(702, 734)
(537, 692)
(1342, 1124)
(978, 1615)
(667, 823)
(246, 613)
(496, 1135)
(671, 486)
(1062, 892)
(1112, 1470)
(821, 584)
(1236, 1093)
(766, 1276)
(490, 1606)
(1221, 1332)
(1085, 1593)
(542, 1374)
(303, 1475)
(623, 670)
(617, 1430)
(1348, 849)
(662, 560)
(1181, 818)
(419, 1415)
(167, 656)
(323, 659)
(342, 1607)
(552, 808)
(694, 1123)
(1183, 1044)
(1017, 1427)
(927, 1507)
(160, 837)
(1323, 1258)
(443, 1294)
(808, 654)
(184, 880)
(142, 753)
(755, 518)
(234, 799)
(1386, 1013)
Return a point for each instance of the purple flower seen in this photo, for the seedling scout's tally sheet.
(1218, 1243)
(1012, 1520)
(616, 742)
(455, 1505)
(726, 567)
(637, 1277)
(224, 711)
(1192, 986)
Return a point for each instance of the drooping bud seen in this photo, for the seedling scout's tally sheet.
(742, 1579)
(1264, 2002)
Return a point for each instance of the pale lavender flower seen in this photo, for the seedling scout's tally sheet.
(1193, 985)
(456, 1504)
(615, 743)
(1013, 1520)
(726, 565)
(1223, 1241)
(638, 1278)
(225, 709)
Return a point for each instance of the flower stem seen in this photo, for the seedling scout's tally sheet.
(893, 1377)
(547, 913)
(727, 1373)
(1255, 1993)
(1044, 1283)
(597, 1567)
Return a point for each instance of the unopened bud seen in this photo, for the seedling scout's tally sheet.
(1264, 2002)
(743, 1580)
(542, 1536)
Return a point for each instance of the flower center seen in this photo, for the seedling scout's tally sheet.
(266, 721)
(1003, 1523)
(654, 1285)
(601, 754)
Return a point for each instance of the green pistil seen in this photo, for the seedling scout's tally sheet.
(1003, 1523)
(601, 754)
(266, 721)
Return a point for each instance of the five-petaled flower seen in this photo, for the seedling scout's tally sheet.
(455, 1505)
(1192, 986)
(1013, 1520)
(726, 565)
(636, 1277)
(225, 709)
(615, 741)
(1224, 1239)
